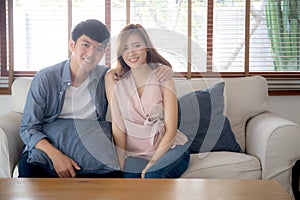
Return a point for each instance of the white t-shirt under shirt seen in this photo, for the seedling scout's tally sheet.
(78, 103)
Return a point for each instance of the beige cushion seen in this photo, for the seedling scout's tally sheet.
(19, 92)
(244, 98)
(223, 165)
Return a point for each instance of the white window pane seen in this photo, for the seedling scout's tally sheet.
(40, 33)
(118, 16)
(229, 34)
(88, 9)
(199, 35)
(118, 21)
(260, 48)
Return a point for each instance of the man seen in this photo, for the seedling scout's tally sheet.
(73, 89)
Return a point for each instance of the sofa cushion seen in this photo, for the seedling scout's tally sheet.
(245, 98)
(223, 165)
(19, 92)
(201, 118)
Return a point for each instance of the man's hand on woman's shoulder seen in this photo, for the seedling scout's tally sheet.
(164, 72)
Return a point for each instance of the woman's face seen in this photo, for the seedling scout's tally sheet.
(134, 51)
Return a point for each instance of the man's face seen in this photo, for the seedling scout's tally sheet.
(86, 52)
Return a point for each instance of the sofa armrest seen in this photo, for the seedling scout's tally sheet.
(10, 142)
(4, 160)
(275, 141)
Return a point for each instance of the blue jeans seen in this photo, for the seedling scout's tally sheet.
(171, 165)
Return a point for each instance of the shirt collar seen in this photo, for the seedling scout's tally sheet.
(94, 74)
(66, 77)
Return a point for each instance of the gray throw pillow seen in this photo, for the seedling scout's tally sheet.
(201, 118)
(87, 142)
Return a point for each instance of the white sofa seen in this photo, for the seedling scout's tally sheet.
(270, 142)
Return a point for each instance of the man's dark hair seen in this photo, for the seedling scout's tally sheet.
(92, 28)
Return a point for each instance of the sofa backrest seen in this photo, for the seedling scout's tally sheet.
(243, 98)
(19, 92)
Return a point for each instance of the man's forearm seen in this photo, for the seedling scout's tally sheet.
(45, 146)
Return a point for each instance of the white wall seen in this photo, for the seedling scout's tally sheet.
(286, 106)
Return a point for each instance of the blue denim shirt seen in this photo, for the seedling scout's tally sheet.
(45, 99)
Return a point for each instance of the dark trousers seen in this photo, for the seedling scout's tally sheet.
(295, 180)
(29, 170)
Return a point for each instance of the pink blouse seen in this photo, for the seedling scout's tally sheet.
(142, 116)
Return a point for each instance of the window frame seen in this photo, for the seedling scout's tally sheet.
(288, 79)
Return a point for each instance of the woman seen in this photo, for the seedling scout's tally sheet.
(144, 111)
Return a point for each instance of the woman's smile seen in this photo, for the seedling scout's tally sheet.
(133, 60)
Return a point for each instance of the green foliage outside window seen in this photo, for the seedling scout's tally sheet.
(283, 21)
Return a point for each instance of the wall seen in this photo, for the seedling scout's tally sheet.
(286, 106)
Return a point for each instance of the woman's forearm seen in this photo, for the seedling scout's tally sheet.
(120, 144)
(165, 144)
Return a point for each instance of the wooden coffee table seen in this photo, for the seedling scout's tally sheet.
(161, 189)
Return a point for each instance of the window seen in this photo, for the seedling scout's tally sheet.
(201, 38)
